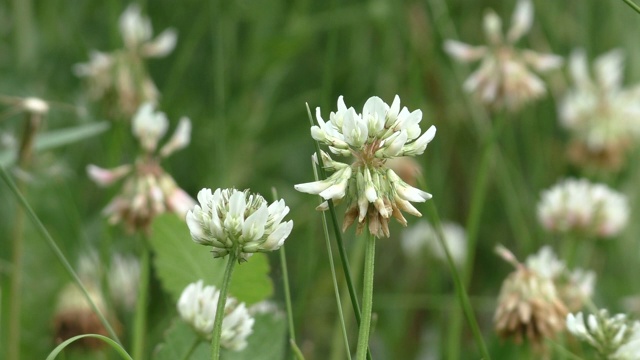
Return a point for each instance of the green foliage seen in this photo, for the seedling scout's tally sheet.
(179, 261)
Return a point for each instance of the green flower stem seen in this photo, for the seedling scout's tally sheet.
(367, 297)
(460, 287)
(56, 250)
(140, 319)
(336, 227)
(287, 294)
(192, 348)
(633, 5)
(222, 300)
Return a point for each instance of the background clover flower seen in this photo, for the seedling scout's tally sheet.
(600, 114)
(197, 307)
(148, 190)
(238, 221)
(120, 76)
(614, 337)
(528, 305)
(421, 238)
(373, 191)
(504, 78)
(580, 206)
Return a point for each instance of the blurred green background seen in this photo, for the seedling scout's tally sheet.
(243, 71)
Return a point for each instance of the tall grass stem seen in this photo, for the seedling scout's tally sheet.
(140, 319)
(367, 297)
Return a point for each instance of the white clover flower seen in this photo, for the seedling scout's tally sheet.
(601, 116)
(120, 76)
(74, 315)
(580, 206)
(238, 221)
(372, 190)
(422, 236)
(148, 190)
(136, 32)
(529, 305)
(504, 78)
(197, 306)
(614, 337)
(124, 277)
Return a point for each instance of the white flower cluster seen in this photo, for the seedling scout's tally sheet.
(574, 287)
(422, 236)
(503, 79)
(601, 116)
(580, 206)
(237, 221)
(148, 190)
(614, 337)
(120, 75)
(372, 190)
(197, 306)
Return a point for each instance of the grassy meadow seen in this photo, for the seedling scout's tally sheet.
(243, 72)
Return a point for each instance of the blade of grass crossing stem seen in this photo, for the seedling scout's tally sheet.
(341, 248)
(119, 349)
(334, 278)
(63, 260)
(633, 5)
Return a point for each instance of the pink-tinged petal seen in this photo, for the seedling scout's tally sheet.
(464, 52)
(106, 177)
(180, 202)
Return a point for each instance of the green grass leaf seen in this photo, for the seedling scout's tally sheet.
(179, 261)
(57, 138)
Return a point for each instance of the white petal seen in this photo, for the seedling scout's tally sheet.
(253, 227)
(464, 52)
(521, 20)
(162, 45)
(180, 138)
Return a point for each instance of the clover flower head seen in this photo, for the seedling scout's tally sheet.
(504, 78)
(373, 191)
(528, 305)
(74, 316)
(120, 76)
(601, 115)
(124, 277)
(422, 236)
(580, 206)
(197, 307)
(148, 190)
(235, 221)
(614, 337)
